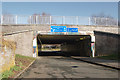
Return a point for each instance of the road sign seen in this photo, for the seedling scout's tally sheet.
(72, 29)
(58, 29)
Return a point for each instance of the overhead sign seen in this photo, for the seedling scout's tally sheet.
(58, 29)
(72, 29)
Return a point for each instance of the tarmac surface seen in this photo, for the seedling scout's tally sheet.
(66, 67)
(99, 61)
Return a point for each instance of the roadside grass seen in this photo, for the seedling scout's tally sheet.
(110, 57)
(21, 62)
(9, 73)
(21, 56)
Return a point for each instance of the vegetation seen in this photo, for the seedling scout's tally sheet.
(21, 56)
(21, 62)
(9, 73)
(110, 57)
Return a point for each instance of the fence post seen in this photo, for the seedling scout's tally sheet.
(36, 19)
(73, 19)
(106, 21)
(30, 20)
(63, 20)
(89, 20)
(50, 19)
(16, 19)
(117, 22)
(77, 19)
(1, 19)
(95, 21)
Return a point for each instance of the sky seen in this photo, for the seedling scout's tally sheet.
(60, 0)
(85, 9)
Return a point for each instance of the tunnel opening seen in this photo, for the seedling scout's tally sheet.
(69, 45)
(50, 50)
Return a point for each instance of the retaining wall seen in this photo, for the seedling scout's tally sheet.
(14, 28)
(7, 55)
(24, 42)
(106, 43)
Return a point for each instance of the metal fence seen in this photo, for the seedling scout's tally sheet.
(67, 20)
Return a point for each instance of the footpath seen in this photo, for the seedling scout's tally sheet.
(115, 64)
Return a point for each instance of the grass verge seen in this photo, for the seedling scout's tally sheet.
(21, 62)
(110, 57)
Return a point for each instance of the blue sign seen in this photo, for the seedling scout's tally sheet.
(58, 29)
(72, 29)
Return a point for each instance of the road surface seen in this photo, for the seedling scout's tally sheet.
(65, 67)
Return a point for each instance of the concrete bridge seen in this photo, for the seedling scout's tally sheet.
(77, 44)
(23, 34)
(47, 28)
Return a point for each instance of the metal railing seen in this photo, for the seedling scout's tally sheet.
(67, 20)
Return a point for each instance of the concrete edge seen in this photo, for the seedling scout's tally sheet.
(24, 69)
(5, 34)
(96, 63)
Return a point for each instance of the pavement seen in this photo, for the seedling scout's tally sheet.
(66, 67)
(103, 62)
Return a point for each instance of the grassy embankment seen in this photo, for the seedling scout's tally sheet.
(21, 62)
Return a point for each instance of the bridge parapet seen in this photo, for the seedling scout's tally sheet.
(66, 33)
(44, 28)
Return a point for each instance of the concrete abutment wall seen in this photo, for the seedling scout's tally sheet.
(106, 43)
(82, 48)
(24, 42)
(24, 39)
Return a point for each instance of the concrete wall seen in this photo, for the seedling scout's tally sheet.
(15, 43)
(39, 45)
(24, 39)
(7, 55)
(106, 43)
(24, 45)
(14, 28)
(109, 29)
(81, 48)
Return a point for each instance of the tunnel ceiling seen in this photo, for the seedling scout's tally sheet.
(58, 39)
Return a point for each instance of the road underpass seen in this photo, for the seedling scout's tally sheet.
(71, 45)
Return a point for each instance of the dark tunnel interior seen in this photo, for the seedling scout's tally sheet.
(70, 45)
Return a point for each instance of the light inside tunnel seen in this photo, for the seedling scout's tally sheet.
(50, 47)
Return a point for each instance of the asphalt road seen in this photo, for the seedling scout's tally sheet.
(65, 67)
